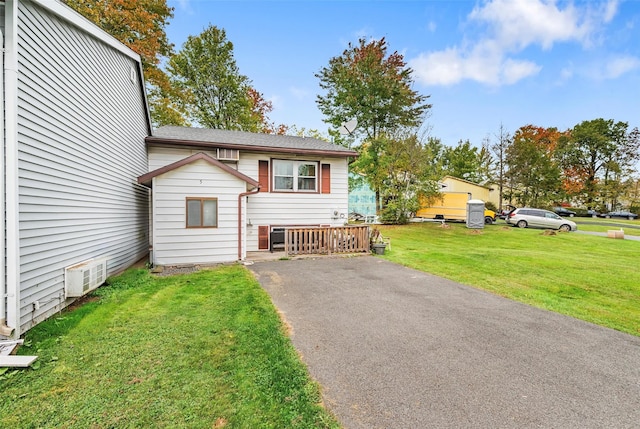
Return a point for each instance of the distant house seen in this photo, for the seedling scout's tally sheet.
(362, 200)
(218, 194)
(478, 192)
(74, 124)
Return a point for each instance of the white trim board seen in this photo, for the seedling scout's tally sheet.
(17, 361)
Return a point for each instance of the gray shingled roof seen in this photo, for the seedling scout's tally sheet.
(246, 139)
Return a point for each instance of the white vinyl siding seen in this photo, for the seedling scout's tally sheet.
(202, 212)
(263, 208)
(173, 242)
(296, 208)
(81, 129)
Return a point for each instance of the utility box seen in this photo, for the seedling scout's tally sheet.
(475, 214)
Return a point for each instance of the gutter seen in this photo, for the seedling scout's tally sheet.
(10, 176)
(4, 329)
(240, 238)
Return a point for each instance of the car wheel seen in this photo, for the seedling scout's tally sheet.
(488, 220)
(565, 228)
(522, 224)
(630, 218)
(571, 215)
(608, 217)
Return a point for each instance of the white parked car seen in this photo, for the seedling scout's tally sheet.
(527, 217)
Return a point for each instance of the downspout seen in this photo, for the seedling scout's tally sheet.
(4, 329)
(12, 251)
(240, 197)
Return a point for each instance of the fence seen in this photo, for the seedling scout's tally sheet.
(327, 240)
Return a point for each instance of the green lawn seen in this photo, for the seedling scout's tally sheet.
(588, 277)
(204, 350)
(630, 227)
(208, 350)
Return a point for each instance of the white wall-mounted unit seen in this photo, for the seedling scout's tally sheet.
(82, 278)
(228, 154)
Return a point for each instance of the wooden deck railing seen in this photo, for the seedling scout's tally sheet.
(327, 240)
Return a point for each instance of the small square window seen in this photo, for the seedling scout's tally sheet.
(202, 212)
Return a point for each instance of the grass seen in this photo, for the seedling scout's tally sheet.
(203, 350)
(208, 350)
(588, 277)
(630, 227)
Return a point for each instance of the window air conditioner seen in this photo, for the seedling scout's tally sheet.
(84, 277)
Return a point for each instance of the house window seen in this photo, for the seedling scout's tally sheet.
(202, 212)
(295, 176)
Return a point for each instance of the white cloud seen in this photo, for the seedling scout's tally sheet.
(618, 66)
(510, 27)
(439, 68)
(513, 71)
(299, 93)
(276, 102)
(451, 66)
(610, 10)
(516, 24)
(565, 74)
(184, 4)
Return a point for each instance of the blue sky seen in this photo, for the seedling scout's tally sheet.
(483, 63)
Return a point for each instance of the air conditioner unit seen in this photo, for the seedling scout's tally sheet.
(228, 154)
(84, 277)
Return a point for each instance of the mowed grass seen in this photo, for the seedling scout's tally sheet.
(630, 227)
(588, 277)
(203, 350)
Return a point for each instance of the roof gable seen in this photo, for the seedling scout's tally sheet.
(210, 138)
(145, 179)
(457, 179)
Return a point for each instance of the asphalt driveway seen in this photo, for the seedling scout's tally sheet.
(397, 348)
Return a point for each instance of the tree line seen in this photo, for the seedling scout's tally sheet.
(592, 164)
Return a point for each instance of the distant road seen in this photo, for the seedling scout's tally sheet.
(603, 223)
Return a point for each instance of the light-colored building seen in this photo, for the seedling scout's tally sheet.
(478, 192)
(73, 129)
(362, 200)
(217, 194)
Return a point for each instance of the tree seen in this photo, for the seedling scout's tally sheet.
(217, 95)
(399, 166)
(140, 25)
(533, 165)
(463, 161)
(261, 109)
(595, 153)
(499, 150)
(366, 84)
(434, 154)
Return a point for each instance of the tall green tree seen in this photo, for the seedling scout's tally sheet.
(463, 161)
(434, 155)
(374, 87)
(400, 166)
(216, 94)
(596, 153)
(140, 25)
(533, 165)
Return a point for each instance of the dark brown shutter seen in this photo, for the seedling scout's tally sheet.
(263, 237)
(326, 178)
(263, 176)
